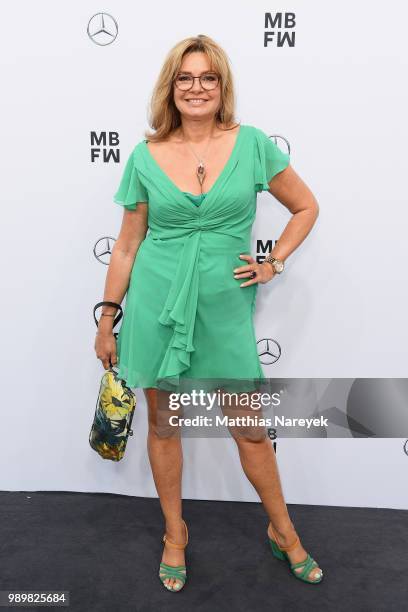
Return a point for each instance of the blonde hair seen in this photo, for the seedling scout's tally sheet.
(164, 116)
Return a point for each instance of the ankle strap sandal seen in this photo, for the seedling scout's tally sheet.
(179, 572)
(280, 552)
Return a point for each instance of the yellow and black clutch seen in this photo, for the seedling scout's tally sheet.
(112, 422)
(114, 410)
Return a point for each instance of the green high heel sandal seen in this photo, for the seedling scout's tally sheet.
(174, 571)
(308, 564)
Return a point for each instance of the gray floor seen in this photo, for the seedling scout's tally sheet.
(105, 549)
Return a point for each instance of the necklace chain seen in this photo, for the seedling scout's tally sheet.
(200, 170)
(194, 153)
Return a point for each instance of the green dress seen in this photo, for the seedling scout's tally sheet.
(187, 322)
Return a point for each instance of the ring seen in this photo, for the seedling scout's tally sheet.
(253, 274)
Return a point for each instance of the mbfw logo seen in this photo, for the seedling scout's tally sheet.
(279, 30)
(103, 249)
(105, 146)
(102, 29)
(269, 351)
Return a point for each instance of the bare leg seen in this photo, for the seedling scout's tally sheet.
(166, 460)
(258, 461)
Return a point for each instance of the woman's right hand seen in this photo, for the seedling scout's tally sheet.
(105, 348)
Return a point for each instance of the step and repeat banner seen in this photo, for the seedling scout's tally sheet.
(327, 86)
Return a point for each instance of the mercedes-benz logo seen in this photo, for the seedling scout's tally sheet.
(102, 29)
(276, 136)
(103, 249)
(406, 447)
(269, 350)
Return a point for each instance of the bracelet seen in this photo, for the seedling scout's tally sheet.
(106, 314)
(277, 264)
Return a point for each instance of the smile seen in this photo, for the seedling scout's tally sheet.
(196, 101)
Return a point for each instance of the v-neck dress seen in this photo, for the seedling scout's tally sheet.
(187, 322)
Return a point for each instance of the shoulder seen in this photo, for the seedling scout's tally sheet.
(136, 159)
(140, 146)
(138, 151)
(255, 135)
(255, 131)
(250, 128)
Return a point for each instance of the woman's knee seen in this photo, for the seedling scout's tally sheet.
(163, 431)
(248, 435)
(160, 426)
(162, 422)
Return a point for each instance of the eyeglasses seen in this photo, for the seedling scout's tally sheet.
(208, 81)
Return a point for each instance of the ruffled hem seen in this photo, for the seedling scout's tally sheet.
(180, 383)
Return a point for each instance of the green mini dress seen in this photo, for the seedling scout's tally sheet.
(187, 323)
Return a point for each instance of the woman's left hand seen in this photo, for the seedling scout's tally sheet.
(263, 272)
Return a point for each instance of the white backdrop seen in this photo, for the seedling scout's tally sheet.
(339, 310)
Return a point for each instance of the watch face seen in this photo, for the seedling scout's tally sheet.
(279, 266)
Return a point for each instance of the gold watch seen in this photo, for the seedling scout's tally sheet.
(277, 264)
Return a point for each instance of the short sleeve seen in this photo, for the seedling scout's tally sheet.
(131, 190)
(269, 160)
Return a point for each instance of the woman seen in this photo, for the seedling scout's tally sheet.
(191, 283)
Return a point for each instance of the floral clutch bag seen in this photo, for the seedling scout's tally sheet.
(114, 411)
(112, 422)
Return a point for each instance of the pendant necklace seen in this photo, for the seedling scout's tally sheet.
(200, 170)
